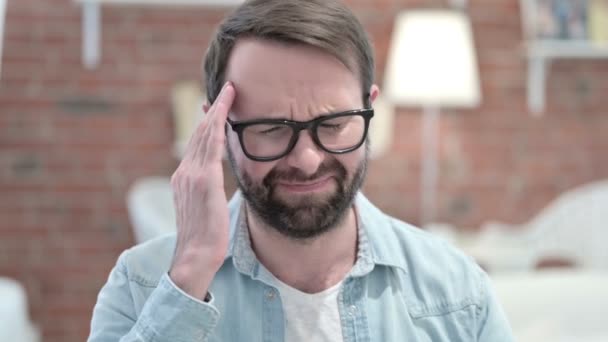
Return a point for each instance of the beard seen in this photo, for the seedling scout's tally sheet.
(306, 216)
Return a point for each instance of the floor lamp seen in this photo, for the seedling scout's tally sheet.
(432, 64)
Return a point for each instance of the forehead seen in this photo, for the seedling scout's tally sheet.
(289, 79)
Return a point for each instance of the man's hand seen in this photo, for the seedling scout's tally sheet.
(200, 202)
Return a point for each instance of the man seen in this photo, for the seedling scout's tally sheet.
(298, 254)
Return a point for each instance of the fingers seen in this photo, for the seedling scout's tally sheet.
(222, 99)
(213, 147)
(198, 145)
(194, 141)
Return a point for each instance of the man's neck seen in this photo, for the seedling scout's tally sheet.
(311, 265)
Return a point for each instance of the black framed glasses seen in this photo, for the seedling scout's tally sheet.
(272, 139)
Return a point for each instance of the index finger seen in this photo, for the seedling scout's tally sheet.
(222, 104)
(212, 149)
(197, 138)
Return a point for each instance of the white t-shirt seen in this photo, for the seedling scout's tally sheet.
(309, 317)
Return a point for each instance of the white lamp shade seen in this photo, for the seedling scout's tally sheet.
(432, 60)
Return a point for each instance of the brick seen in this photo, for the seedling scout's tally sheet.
(73, 140)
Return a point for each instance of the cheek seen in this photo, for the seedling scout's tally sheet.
(351, 161)
(257, 170)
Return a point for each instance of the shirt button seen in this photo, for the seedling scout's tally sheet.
(270, 294)
(352, 310)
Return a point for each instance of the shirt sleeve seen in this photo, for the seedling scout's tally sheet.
(169, 314)
(493, 324)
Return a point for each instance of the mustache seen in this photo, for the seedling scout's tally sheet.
(296, 175)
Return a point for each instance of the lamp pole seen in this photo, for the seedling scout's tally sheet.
(430, 163)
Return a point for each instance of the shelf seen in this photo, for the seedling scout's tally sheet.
(542, 51)
(567, 49)
(91, 20)
(166, 3)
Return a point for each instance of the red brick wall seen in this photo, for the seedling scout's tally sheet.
(73, 140)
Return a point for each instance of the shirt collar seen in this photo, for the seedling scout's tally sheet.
(377, 244)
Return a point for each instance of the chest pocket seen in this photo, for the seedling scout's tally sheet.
(452, 322)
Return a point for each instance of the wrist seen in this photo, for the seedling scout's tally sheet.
(195, 285)
(192, 277)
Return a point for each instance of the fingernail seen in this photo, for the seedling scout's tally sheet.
(226, 85)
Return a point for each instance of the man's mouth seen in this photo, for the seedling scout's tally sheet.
(306, 186)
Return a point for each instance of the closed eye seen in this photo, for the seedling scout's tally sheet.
(270, 129)
(334, 127)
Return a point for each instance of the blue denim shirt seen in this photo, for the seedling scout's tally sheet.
(406, 285)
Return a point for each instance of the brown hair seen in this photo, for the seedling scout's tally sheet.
(325, 24)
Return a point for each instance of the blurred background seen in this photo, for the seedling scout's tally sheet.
(509, 162)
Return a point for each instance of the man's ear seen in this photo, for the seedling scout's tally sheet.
(374, 92)
(206, 107)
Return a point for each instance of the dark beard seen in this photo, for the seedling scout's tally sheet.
(310, 216)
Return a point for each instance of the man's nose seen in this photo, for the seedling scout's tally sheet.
(306, 155)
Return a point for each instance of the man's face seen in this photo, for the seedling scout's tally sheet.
(307, 192)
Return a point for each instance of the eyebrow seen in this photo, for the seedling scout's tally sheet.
(284, 120)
